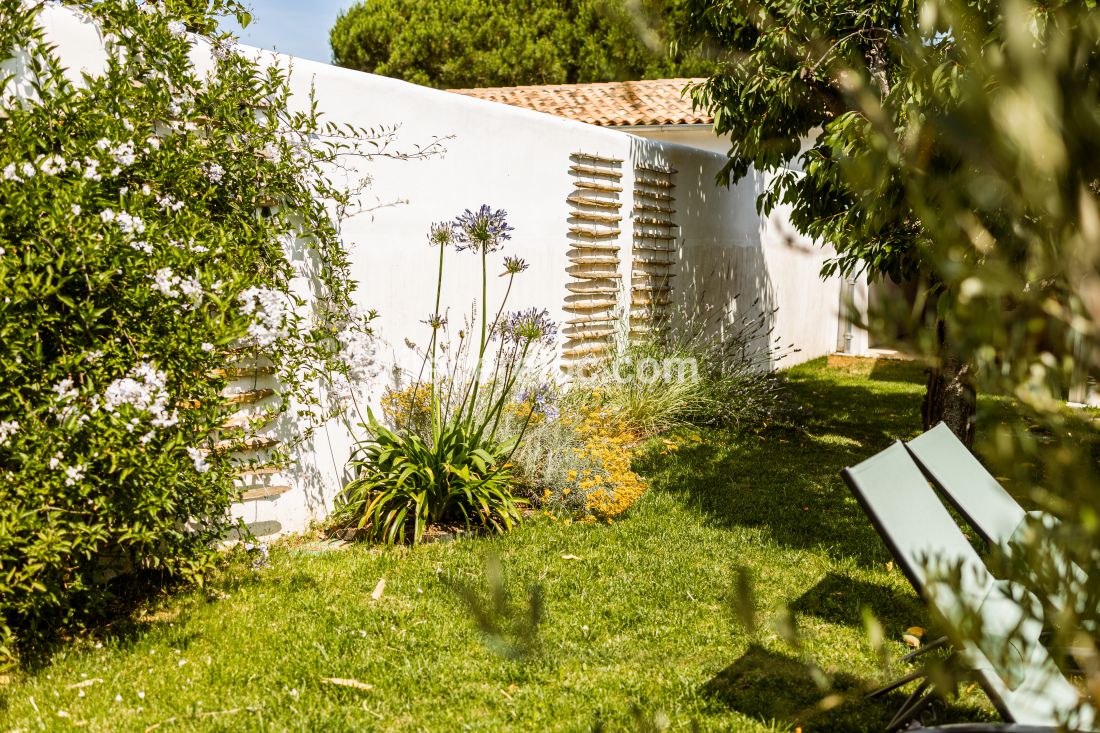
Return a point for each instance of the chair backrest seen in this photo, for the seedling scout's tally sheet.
(911, 520)
(968, 486)
(1015, 670)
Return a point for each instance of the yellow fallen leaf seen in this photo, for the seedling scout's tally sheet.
(355, 684)
(85, 683)
(916, 631)
(569, 557)
(378, 590)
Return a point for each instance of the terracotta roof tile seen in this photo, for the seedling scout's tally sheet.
(653, 102)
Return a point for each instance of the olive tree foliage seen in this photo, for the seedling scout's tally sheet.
(156, 217)
(989, 139)
(781, 97)
(474, 43)
(1010, 92)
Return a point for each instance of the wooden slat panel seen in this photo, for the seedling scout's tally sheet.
(246, 398)
(598, 186)
(263, 492)
(592, 170)
(589, 201)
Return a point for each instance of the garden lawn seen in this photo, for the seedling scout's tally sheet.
(638, 625)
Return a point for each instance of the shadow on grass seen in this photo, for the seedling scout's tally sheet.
(786, 479)
(793, 698)
(839, 599)
(888, 370)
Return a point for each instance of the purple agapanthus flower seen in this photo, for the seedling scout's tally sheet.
(482, 231)
(441, 234)
(542, 400)
(528, 327)
(435, 320)
(514, 265)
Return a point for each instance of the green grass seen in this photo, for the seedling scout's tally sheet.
(641, 620)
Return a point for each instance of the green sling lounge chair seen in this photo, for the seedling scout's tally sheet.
(982, 501)
(1010, 664)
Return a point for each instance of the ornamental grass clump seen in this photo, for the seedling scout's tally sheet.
(146, 209)
(708, 367)
(448, 460)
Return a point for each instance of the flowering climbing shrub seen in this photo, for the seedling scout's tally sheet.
(448, 459)
(147, 213)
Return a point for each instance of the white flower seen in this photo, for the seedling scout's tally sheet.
(172, 285)
(222, 50)
(8, 428)
(91, 170)
(177, 28)
(198, 457)
(103, 144)
(191, 288)
(152, 142)
(142, 246)
(51, 165)
(214, 172)
(64, 390)
(10, 173)
(55, 461)
(124, 154)
(28, 169)
(357, 351)
(166, 281)
(73, 474)
(127, 223)
(169, 204)
(145, 390)
(207, 346)
(269, 310)
(76, 209)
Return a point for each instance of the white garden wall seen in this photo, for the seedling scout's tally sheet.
(519, 161)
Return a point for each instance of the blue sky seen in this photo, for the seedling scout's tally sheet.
(296, 27)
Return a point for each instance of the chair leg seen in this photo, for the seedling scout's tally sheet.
(914, 705)
(900, 682)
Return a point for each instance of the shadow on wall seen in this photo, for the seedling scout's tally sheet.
(721, 279)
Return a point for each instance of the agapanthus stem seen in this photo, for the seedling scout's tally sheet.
(437, 420)
(481, 348)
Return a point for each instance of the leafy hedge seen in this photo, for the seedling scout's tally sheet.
(145, 218)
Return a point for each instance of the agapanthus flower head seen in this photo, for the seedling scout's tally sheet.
(514, 265)
(435, 320)
(541, 399)
(482, 231)
(528, 326)
(441, 234)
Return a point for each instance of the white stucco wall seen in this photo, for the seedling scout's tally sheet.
(519, 161)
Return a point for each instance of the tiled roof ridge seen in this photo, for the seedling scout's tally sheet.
(611, 103)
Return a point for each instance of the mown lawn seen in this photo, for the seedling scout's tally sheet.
(637, 628)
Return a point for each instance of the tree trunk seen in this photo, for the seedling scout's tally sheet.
(950, 395)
